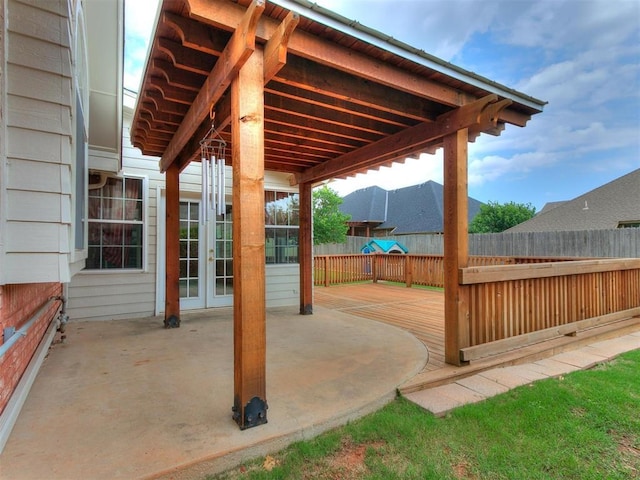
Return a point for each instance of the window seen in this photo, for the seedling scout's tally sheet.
(116, 225)
(281, 221)
(629, 224)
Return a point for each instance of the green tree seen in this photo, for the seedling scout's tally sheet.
(494, 217)
(329, 223)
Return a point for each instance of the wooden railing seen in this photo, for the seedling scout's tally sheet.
(425, 270)
(511, 301)
(545, 300)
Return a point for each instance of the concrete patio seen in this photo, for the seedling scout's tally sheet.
(129, 399)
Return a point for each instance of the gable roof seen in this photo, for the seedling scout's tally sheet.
(366, 205)
(602, 208)
(414, 209)
(385, 246)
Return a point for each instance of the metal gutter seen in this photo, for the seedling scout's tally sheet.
(376, 38)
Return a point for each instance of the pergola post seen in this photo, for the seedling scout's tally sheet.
(249, 316)
(456, 245)
(305, 245)
(172, 249)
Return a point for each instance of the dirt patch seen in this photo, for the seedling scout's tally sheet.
(461, 470)
(348, 463)
(630, 455)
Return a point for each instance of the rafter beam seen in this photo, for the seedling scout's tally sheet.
(275, 51)
(474, 115)
(275, 57)
(238, 50)
(186, 58)
(225, 15)
(195, 35)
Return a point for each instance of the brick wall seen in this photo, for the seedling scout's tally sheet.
(17, 304)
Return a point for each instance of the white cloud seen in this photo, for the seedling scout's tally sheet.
(140, 17)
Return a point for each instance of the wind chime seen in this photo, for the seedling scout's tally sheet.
(212, 153)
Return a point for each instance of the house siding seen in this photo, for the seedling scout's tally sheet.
(107, 295)
(39, 101)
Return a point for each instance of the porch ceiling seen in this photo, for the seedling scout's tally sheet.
(347, 100)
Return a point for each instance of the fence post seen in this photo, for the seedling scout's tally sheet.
(374, 267)
(326, 271)
(408, 270)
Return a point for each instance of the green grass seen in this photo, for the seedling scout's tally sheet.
(585, 425)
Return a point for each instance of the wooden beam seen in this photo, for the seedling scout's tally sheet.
(405, 142)
(277, 48)
(235, 54)
(185, 58)
(249, 316)
(305, 246)
(313, 97)
(502, 273)
(172, 250)
(314, 78)
(456, 246)
(195, 35)
(275, 52)
(226, 15)
(506, 344)
(175, 77)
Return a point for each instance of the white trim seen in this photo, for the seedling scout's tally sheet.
(160, 215)
(145, 228)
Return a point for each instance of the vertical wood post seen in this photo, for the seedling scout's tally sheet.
(305, 245)
(326, 271)
(374, 266)
(408, 271)
(172, 249)
(456, 246)
(249, 316)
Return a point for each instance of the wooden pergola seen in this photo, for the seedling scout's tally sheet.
(296, 88)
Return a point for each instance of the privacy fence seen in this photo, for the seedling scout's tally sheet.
(617, 243)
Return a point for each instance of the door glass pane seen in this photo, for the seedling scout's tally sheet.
(189, 251)
(224, 254)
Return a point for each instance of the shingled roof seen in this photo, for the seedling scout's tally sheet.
(415, 209)
(605, 207)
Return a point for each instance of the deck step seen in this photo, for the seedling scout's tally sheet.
(450, 374)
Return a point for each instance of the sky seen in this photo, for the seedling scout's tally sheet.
(580, 56)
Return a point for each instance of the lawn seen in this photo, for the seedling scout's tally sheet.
(585, 425)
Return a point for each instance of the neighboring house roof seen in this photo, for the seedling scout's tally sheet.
(384, 246)
(602, 208)
(550, 206)
(366, 205)
(415, 209)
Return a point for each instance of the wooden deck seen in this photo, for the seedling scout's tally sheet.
(421, 312)
(417, 310)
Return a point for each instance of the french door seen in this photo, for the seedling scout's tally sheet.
(206, 258)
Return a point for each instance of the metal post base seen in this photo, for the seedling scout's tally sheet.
(172, 322)
(253, 414)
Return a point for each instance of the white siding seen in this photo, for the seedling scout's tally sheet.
(99, 295)
(282, 285)
(37, 172)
